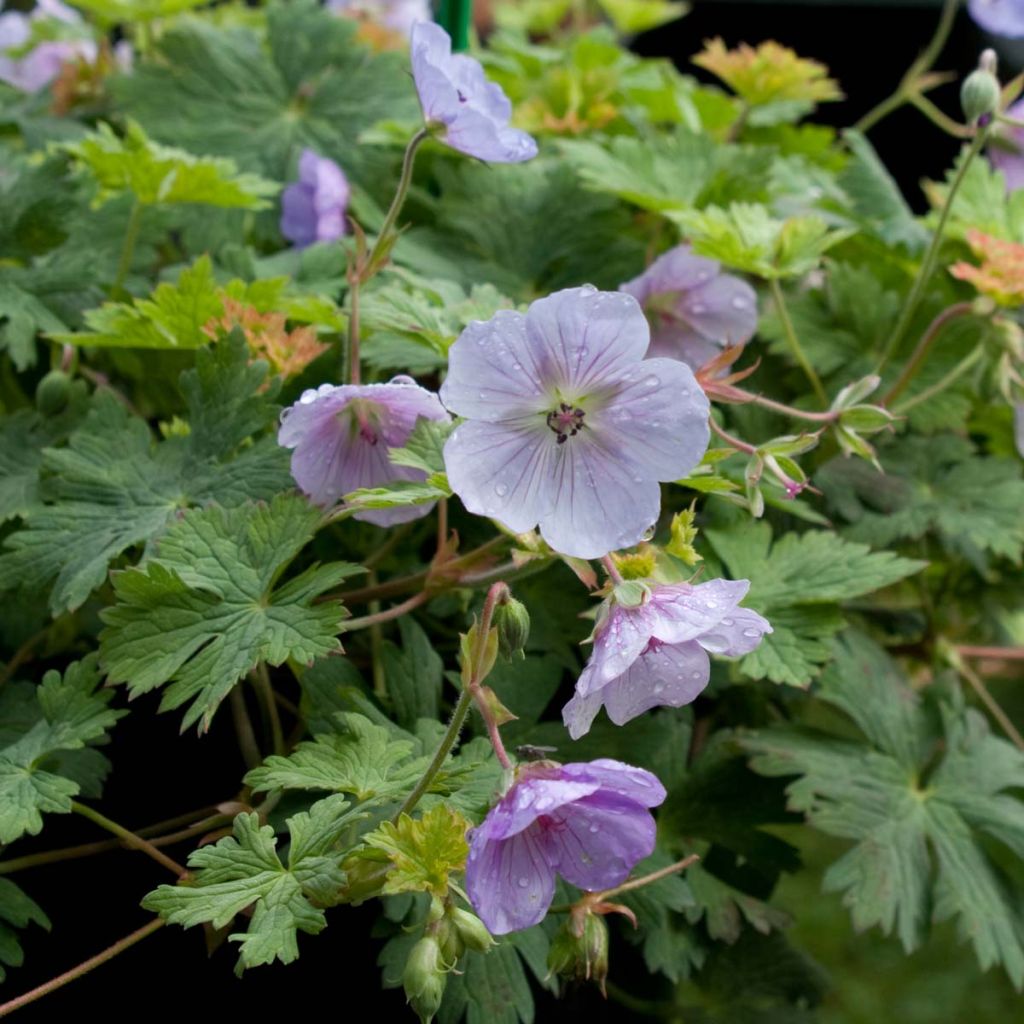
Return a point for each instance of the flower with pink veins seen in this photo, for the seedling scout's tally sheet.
(655, 654)
(588, 822)
(694, 309)
(567, 426)
(341, 436)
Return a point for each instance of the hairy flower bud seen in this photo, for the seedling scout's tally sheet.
(584, 956)
(53, 393)
(513, 624)
(425, 977)
(471, 930)
(980, 93)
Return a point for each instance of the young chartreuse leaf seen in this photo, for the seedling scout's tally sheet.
(17, 911)
(423, 851)
(925, 807)
(244, 870)
(130, 12)
(70, 712)
(207, 607)
(634, 16)
(112, 487)
(797, 583)
(365, 760)
(157, 175)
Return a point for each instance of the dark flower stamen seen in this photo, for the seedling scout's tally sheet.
(566, 421)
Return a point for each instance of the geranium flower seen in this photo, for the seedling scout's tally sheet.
(1006, 149)
(656, 653)
(313, 208)
(341, 437)
(33, 69)
(397, 15)
(694, 309)
(1000, 17)
(455, 94)
(567, 426)
(587, 822)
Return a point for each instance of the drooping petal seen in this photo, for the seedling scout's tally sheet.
(618, 643)
(666, 675)
(1000, 17)
(579, 713)
(677, 270)
(657, 421)
(598, 840)
(737, 633)
(685, 612)
(583, 340)
(626, 780)
(723, 311)
(510, 882)
(538, 790)
(478, 135)
(503, 471)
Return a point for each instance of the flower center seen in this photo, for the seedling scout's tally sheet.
(566, 421)
(363, 419)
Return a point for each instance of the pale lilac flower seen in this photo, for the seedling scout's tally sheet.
(588, 822)
(397, 15)
(1006, 149)
(341, 436)
(695, 310)
(567, 426)
(313, 208)
(454, 93)
(1000, 17)
(656, 653)
(33, 69)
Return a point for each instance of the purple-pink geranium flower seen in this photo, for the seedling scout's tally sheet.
(313, 208)
(1006, 150)
(31, 68)
(456, 96)
(656, 653)
(397, 15)
(587, 822)
(695, 310)
(341, 436)
(1000, 17)
(567, 425)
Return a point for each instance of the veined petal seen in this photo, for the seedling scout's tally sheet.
(738, 633)
(666, 675)
(540, 790)
(626, 780)
(686, 612)
(619, 642)
(579, 713)
(510, 882)
(723, 311)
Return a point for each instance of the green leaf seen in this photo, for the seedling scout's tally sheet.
(423, 852)
(308, 83)
(206, 608)
(156, 174)
(22, 317)
(365, 760)
(172, 318)
(113, 487)
(17, 911)
(244, 870)
(922, 806)
(69, 713)
(400, 493)
(797, 584)
(634, 16)
(413, 673)
(130, 12)
(983, 202)
(424, 448)
(747, 237)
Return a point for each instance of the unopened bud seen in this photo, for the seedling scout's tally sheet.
(513, 624)
(425, 977)
(472, 930)
(364, 878)
(980, 94)
(581, 957)
(53, 393)
(631, 593)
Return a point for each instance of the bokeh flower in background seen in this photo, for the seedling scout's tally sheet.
(313, 208)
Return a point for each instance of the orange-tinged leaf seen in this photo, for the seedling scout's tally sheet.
(1001, 274)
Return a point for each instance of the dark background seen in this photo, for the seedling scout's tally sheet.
(94, 901)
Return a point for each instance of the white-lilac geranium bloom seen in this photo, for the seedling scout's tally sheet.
(472, 113)
(31, 68)
(695, 310)
(567, 426)
(397, 15)
(313, 208)
(588, 822)
(656, 653)
(341, 436)
(1000, 17)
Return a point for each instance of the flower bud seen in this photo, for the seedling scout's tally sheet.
(425, 977)
(631, 593)
(582, 957)
(364, 878)
(980, 93)
(53, 393)
(512, 621)
(471, 930)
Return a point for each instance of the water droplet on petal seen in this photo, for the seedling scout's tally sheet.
(695, 675)
(501, 490)
(523, 883)
(652, 381)
(595, 827)
(751, 633)
(727, 622)
(698, 308)
(739, 303)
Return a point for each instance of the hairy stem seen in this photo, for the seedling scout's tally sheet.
(353, 371)
(924, 346)
(247, 744)
(394, 612)
(131, 236)
(1006, 653)
(730, 440)
(83, 968)
(654, 876)
(131, 838)
(265, 691)
(939, 386)
(979, 687)
(931, 256)
(794, 342)
(738, 396)
(611, 568)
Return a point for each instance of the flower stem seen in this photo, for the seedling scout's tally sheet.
(83, 968)
(979, 687)
(611, 568)
(353, 371)
(739, 396)
(654, 876)
(131, 838)
(131, 236)
(939, 386)
(732, 442)
(1007, 653)
(924, 346)
(265, 691)
(378, 255)
(394, 612)
(244, 731)
(794, 342)
(924, 274)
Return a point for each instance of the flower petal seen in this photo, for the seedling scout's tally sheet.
(666, 675)
(627, 780)
(579, 713)
(510, 882)
(620, 640)
(539, 790)
(686, 612)
(738, 633)
(723, 311)
(597, 841)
